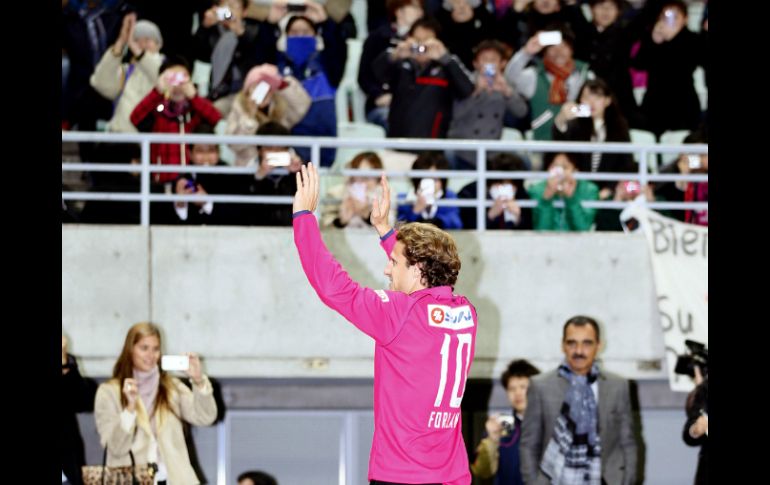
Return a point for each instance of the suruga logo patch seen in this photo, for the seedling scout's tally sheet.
(450, 318)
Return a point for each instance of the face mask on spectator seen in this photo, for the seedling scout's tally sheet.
(299, 49)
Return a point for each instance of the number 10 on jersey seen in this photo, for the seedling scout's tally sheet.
(462, 363)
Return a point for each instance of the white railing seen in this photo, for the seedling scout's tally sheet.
(481, 147)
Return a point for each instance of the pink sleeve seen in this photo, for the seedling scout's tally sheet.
(388, 241)
(378, 313)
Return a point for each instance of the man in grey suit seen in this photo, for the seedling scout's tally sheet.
(579, 428)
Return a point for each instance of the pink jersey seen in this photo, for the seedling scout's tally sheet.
(424, 345)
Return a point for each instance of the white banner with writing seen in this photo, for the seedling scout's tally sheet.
(679, 254)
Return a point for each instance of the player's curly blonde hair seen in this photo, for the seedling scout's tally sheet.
(434, 248)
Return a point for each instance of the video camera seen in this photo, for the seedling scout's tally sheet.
(698, 355)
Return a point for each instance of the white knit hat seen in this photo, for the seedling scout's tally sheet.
(145, 28)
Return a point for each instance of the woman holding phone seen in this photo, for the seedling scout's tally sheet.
(266, 96)
(139, 412)
(596, 117)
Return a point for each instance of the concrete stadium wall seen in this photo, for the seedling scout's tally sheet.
(238, 296)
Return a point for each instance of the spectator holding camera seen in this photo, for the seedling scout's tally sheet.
(605, 43)
(670, 54)
(464, 24)
(357, 194)
(597, 118)
(506, 212)
(523, 18)
(139, 412)
(683, 191)
(696, 428)
(623, 191)
(267, 182)
(212, 213)
(313, 50)
(125, 84)
(233, 43)
(172, 107)
(421, 205)
(561, 185)
(552, 81)
(87, 28)
(480, 116)
(498, 453)
(402, 14)
(266, 96)
(425, 80)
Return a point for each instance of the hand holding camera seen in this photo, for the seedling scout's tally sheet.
(189, 363)
(501, 85)
(497, 208)
(700, 427)
(131, 392)
(570, 184)
(691, 164)
(494, 427)
(417, 49)
(223, 13)
(312, 10)
(173, 82)
(360, 205)
(627, 190)
(697, 357)
(403, 49)
(210, 18)
(555, 184)
(185, 186)
(426, 194)
(435, 49)
(549, 37)
(533, 45)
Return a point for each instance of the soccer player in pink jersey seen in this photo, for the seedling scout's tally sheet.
(425, 337)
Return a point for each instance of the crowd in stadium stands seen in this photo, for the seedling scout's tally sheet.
(563, 70)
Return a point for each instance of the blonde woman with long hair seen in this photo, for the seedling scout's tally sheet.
(141, 409)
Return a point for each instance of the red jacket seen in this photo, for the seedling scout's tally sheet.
(170, 154)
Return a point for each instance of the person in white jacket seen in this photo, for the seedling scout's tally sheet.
(139, 412)
(127, 83)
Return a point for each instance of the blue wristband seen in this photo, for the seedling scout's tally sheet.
(387, 234)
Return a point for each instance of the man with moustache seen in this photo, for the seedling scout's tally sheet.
(579, 428)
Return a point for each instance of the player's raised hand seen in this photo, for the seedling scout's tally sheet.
(381, 208)
(306, 197)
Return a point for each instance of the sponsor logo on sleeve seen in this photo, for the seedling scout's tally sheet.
(383, 296)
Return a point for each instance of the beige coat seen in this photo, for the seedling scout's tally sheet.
(108, 79)
(288, 107)
(196, 406)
